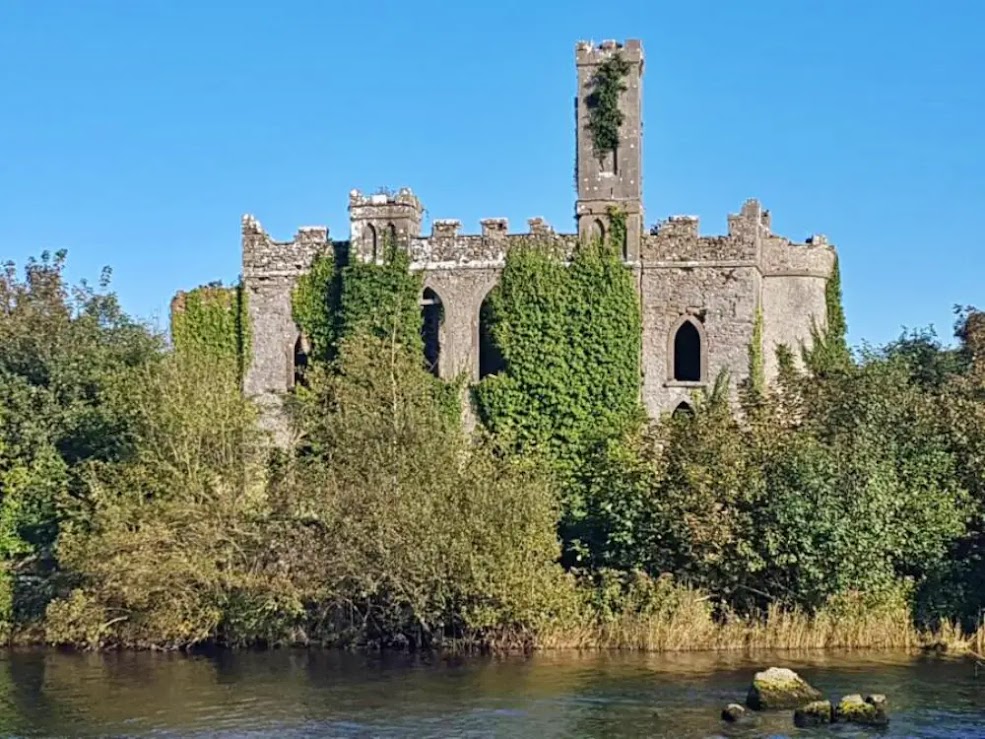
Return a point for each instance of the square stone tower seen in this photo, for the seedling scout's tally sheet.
(612, 176)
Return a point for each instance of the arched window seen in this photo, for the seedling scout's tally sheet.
(490, 358)
(300, 361)
(598, 230)
(683, 410)
(390, 242)
(433, 314)
(687, 352)
(372, 241)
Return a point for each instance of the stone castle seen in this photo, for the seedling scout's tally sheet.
(700, 295)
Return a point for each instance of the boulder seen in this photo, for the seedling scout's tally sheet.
(814, 713)
(870, 711)
(779, 687)
(733, 712)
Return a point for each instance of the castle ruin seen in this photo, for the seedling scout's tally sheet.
(700, 295)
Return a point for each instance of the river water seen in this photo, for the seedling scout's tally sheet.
(289, 693)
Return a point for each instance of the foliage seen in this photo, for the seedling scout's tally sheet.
(829, 350)
(161, 538)
(138, 506)
(213, 320)
(390, 530)
(570, 338)
(382, 301)
(62, 349)
(604, 116)
(315, 305)
(337, 301)
(859, 493)
(757, 366)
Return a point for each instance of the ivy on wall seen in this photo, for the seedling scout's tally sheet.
(314, 304)
(604, 116)
(381, 300)
(570, 336)
(334, 302)
(213, 320)
(757, 367)
(829, 350)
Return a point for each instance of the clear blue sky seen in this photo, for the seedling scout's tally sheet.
(136, 133)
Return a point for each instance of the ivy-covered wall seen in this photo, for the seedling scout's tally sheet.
(212, 321)
(334, 301)
(570, 337)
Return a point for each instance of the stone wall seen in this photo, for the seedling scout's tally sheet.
(462, 269)
(270, 271)
(718, 282)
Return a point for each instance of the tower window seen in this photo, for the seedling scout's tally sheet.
(687, 352)
(491, 359)
(433, 314)
(372, 241)
(300, 361)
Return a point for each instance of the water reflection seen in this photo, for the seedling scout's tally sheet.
(315, 693)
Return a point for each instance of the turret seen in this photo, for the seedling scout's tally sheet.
(609, 136)
(376, 220)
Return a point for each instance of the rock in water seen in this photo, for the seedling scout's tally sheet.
(813, 714)
(779, 687)
(733, 712)
(872, 711)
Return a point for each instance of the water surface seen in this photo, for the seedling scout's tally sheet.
(314, 693)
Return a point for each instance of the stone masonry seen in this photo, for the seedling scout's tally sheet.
(699, 294)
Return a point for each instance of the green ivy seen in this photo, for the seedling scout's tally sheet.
(213, 320)
(314, 304)
(757, 369)
(381, 300)
(604, 116)
(829, 350)
(336, 302)
(570, 336)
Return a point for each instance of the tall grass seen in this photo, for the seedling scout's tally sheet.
(663, 616)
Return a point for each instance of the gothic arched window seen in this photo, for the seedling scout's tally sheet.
(687, 352)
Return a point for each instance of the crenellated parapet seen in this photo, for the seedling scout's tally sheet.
(263, 257)
(749, 241)
(448, 248)
(782, 257)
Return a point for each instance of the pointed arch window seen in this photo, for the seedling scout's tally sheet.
(491, 359)
(687, 361)
(683, 410)
(372, 241)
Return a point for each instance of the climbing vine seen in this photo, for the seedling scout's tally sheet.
(213, 321)
(757, 369)
(334, 302)
(604, 116)
(570, 336)
(829, 350)
(381, 300)
(314, 303)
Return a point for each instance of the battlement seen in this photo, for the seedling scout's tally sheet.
(590, 53)
(448, 248)
(813, 258)
(264, 257)
(749, 240)
(403, 197)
